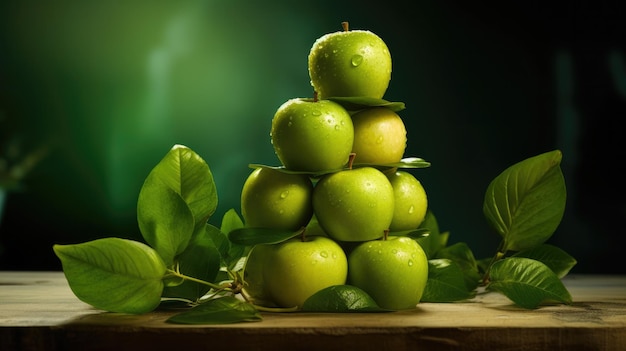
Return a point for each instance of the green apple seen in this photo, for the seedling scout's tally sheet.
(312, 135)
(411, 201)
(274, 199)
(295, 269)
(379, 136)
(350, 63)
(355, 204)
(254, 285)
(392, 271)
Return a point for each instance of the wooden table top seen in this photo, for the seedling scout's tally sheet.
(38, 311)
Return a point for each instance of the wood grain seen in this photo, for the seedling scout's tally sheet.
(38, 311)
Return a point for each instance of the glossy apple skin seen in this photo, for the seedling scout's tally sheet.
(393, 271)
(274, 199)
(379, 136)
(354, 205)
(294, 270)
(312, 136)
(350, 63)
(411, 201)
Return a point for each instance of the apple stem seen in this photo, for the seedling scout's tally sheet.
(385, 234)
(303, 234)
(345, 26)
(351, 159)
(315, 96)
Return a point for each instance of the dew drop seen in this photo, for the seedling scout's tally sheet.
(356, 60)
(284, 194)
(394, 251)
(324, 254)
(411, 209)
(379, 140)
(316, 112)
(337, 127)
(410, 263)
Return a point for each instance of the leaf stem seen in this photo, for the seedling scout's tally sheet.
(186, 277)
(498, 256)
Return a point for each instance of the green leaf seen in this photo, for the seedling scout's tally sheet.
(526, 202)
(231, 221)
(431, 243)
(223, 310)
(113, 274)
(462, 255)
(341, 299)
(200, 260)
(164, 219)
(409, 162)
(253, 236)
(559, 261)
(527, 282)
(356, 103)
(185, 172)
(446, 282)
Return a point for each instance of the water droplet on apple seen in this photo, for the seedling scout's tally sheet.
(379, 140)
(284, 194)
(394, 251)
(337, 127)
(316, 112)
(356, 60)
(411, 209)
(410, 263)
(324, 254)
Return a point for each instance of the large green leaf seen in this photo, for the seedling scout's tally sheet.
(526, 202)
(201, 260)
(527, 282)
(165, 220)
(559, 261)
(224, 310)
(113, 274)
(446, 282)
(187, 174)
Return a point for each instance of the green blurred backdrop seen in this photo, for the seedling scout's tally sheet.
(95, 93)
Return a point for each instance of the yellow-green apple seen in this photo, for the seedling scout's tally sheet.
(312, 135)
(379, 136)
(274, 199)
(393, 271)
(355, 204)
(254, 285)
(411, 201)
(299, 267)
(350, 63)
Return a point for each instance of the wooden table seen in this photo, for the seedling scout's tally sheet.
(38, 311)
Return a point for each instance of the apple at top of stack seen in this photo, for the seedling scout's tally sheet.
(350, 63)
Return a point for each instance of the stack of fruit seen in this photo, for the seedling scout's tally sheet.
(340, 180)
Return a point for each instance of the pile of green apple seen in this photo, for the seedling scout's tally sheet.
(335, 182)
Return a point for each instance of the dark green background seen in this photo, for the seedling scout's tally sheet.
(110, 86)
